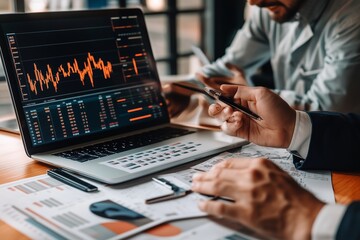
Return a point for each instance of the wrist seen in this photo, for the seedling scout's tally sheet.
(291, 129)
(300, 141)
(304, 219)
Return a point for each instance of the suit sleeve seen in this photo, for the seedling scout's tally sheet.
(334, 144)
(349, 225)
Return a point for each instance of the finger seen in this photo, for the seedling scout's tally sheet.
(222, 209)
(217, 187)
(235, 163)
(223, 113)
(215, 109)
(244, 92)
(229, 89)
(218, 173)
(235, 124)
(166, 87)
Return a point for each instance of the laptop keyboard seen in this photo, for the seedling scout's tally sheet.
(123, 144)
(155, 156)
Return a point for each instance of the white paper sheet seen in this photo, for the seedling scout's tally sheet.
(43, 208)
(319, 183)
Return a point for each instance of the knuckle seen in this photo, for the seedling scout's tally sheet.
(216, 172)
(226, 164)
(218, 186)
(256, 174)
(260, 162)
(214, 109)
(220, 209)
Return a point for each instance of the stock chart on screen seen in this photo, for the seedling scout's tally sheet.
(82, 77)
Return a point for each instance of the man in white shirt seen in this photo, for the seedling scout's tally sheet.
(313, 48)
(267, 199)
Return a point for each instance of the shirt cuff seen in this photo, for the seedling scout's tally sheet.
(327, 222)
(300, 141)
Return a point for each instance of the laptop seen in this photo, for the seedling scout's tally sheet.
(87, 95)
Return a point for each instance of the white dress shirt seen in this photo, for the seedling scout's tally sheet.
(314, 57)
(329, 217)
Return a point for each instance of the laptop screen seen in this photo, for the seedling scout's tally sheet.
(81, 75)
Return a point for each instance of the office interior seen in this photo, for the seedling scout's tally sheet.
(174, 26)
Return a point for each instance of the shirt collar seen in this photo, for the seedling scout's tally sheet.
(311, 10)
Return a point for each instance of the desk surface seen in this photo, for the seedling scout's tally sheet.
(15, 165)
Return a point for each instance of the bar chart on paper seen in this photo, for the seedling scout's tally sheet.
(43, 208)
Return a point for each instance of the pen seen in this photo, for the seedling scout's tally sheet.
(67, 178)
(217, 95)
(166, 183)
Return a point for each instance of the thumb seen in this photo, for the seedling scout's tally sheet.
(240, 91)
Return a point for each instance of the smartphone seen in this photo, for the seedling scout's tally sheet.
(218, 96)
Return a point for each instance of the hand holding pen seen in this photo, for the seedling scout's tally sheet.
(278, 118)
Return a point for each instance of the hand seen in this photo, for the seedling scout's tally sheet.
(177, 99)
(266, 199)
(216, 82)
(278, 118)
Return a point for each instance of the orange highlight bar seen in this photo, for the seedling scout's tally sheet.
(135, 66)
(140, 54)
(43, 80)
(135, 110)
(139, 118)
(121, 27)
(121, 100)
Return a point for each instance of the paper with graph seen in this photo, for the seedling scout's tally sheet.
(43, 208)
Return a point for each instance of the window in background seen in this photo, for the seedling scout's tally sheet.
(6, 6)
(182, 27)
(6, 110)
(190, 33)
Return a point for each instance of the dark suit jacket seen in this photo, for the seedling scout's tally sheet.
(335, 146)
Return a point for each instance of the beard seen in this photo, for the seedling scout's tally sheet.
(280, 12)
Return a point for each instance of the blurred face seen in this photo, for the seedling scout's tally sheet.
(280, 10)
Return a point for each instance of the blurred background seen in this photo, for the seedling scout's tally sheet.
(173, 25)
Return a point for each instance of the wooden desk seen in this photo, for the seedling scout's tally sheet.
(15, 165)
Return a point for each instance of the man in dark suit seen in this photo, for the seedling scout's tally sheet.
(268, 200)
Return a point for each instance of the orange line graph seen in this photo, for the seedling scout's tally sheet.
(44, 80)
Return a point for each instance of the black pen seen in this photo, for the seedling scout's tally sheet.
(67, 178)
(218, 96)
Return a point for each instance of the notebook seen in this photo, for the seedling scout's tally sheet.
(87, 95)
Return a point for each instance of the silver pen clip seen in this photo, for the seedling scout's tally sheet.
(178, 192)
